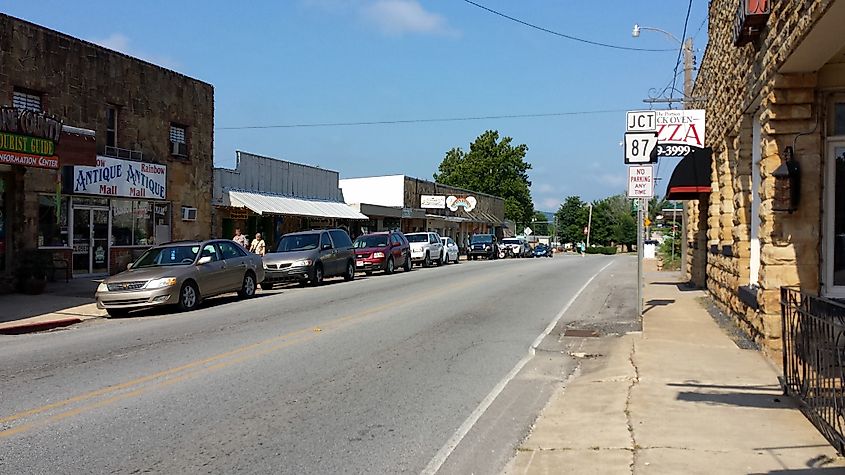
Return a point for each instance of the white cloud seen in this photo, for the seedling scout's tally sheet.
(611, 179)
(550, 204)
(120, 42)
(545, 188)
(399, 17)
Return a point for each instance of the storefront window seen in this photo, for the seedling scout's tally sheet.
(135, 223)
(52, 221)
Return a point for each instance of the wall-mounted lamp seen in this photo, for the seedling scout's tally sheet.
(787, 183)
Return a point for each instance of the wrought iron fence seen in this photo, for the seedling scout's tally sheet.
(814, 360)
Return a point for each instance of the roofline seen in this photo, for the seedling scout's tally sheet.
(428, 181)
(238, 158)
(95, 45)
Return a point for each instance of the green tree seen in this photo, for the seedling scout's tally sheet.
(495, 167)
(571, 219)
(540, 225)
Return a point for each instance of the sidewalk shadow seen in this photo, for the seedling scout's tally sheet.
(57, 297)
(657, 303)
(682, 286)
(763, 396)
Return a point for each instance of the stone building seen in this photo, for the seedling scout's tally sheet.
(774, 86)
(412, 204)
(149, 179)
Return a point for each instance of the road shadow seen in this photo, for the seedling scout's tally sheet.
(210, 302)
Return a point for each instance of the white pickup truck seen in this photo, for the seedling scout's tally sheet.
(426, 248)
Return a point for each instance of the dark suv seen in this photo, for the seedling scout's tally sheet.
(310, 256)
(382, 251)
(483, 245)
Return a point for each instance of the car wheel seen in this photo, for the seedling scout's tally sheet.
(390, 266)
(427, 260)
(350, 271)
(408, 264)
(189, 297)
(266, 286)
(248, 286)
(318, 275)
(446, 258)
(117, 312)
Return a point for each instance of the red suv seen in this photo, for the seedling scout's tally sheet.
(382, 251)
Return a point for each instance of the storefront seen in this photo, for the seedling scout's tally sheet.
(116, 210)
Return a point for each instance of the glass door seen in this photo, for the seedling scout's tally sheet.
(90, 240)
(834, 261)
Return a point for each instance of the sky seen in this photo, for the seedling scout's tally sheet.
(296, 62)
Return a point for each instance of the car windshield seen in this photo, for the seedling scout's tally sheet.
(417, 237)
(511, 241)
(298, 242)
(377, 240)
(482, 239)
(168, 256)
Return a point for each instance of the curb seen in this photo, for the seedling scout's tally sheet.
(38, 326)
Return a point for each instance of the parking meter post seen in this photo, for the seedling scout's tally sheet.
(640, 230)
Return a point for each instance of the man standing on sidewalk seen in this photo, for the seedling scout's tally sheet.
(239, 238)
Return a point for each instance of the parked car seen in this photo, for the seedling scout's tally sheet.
(181, 273)
(518, 247)
(451, 250)
(382, 251)
(309, 257)
(483, 245)
(426, 248)
(543, 250)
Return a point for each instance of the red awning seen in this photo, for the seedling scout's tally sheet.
(691, 176)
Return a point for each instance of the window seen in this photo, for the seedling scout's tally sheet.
(134, 222)
(179, 140)
(25, 99)
(432, 238)
(341, 239)
(210, 251)
(52, 221)
(111, 126)
(324, 239)
(230, 250)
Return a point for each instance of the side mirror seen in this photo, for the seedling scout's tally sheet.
(128, 266)
(204, 260)
(326, 247)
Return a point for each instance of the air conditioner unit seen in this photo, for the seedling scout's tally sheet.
(179, 148)
(189, 214)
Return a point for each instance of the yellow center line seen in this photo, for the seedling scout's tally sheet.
(285, 339)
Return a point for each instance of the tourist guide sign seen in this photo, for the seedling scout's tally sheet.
(28, 138)
(640, 181)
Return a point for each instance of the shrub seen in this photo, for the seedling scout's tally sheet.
(606, 250)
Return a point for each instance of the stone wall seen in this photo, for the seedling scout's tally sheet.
(79, 80)
(788, 108)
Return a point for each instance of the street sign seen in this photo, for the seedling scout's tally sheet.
(527, 231)
(640, 181)
(641, 121)
(640, 147)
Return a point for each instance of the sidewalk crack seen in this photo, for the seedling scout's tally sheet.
(634, 381)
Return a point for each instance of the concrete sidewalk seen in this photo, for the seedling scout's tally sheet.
(61, 304)
(679, 398)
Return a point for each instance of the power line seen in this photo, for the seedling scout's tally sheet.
(563, 35)
(680, 50)
(416, 121)
(699, 28)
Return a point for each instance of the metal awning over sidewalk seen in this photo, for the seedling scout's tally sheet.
(273, 204)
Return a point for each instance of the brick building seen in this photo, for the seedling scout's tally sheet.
(775, 98)
(148, 179)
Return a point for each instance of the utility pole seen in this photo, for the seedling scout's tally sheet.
(689, 65)
(589, 224)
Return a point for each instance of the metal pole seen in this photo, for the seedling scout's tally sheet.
(640, 219)
(688, 67)
(589, 224)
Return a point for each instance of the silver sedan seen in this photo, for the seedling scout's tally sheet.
(182, 274)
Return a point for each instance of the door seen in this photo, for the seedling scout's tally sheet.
(211, 276)
(235, 265)
(343, 249)
(834, 261)
(90, 240)
(328, 256)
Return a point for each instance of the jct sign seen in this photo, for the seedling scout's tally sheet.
(115, 177)
(640, 182)
(678, 131)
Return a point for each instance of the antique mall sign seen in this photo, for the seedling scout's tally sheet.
(115, 177)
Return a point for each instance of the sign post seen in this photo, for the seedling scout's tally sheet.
(640, 245)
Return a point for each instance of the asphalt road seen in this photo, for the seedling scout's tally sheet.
(417, 371)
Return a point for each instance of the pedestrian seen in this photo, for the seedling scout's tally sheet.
(257, 246)
(581, 247)
(239, 238)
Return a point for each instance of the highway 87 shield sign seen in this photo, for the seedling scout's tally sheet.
(640, 147)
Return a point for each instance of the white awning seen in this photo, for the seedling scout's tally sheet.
(261, 203)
